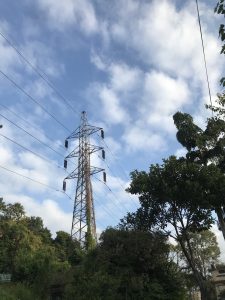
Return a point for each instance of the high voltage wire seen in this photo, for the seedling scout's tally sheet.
(28, 123)
(41, 183)
(105, 209)
(115, 203)
(38, 155)
(203, 50)
(37, 139)
(118, 180)
(34, 100)
(34, 137)
(40, 73)
(34, 153)
(31, 179)
(122, 169)
(114, 195)
(44, 77)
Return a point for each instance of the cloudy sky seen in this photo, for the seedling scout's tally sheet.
(129, 64)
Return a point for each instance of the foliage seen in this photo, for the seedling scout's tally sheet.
(16, 291)
(127, 265)
(206, 250)
(176, 198)
(207, 148)
(28, 252)
(67, 249)
(220, 9)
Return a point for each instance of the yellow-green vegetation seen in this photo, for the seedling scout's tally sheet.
(125, 264)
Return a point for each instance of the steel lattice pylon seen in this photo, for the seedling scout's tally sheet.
(83, 222)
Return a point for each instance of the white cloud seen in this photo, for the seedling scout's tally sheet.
(49, 210)
(163, 96)
(112, 109)
(63, 14)
(170, 41)
(124, 78)
(138, 137)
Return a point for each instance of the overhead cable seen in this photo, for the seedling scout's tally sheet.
(31, 151)
(117, 179)
(37, 139)
(204, 56)
(40, 73)
(34, 100)
(117, 204)
(27, 122)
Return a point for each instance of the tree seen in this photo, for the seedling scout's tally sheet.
(175, 199)
(35, 224)
(206, 147)
(27, 251)
(67, 249)
(11, 211)
(220, 9)
(127, 265)
(206, 251)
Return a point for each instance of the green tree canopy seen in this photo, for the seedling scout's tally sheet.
(127, 265)
(176, 198)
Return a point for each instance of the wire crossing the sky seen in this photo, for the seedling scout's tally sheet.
(34, 153)
(204, 56)
(31, 179)
(41, 142)
(116, 177)
(54, 189)
(41, 74)
(28, 123)
(34, 100)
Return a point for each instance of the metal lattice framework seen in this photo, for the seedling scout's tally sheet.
(83, 222)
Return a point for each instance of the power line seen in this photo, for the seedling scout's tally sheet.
(40, 183)
(203, 50)
(34, 153)
(41, 142)
(118, 180)
(34, 137)
(41, 73)
(109, 213)
(34, 100)
(35, 181)
(28, 123)
(110, 151)
(114, 195)
(114, 203)
(31, 179)
(122, 169)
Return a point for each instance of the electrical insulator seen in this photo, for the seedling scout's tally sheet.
(64, 185)
(103, 154)
(102, 134)
(104, 176)
(66, 144)
(65, 164)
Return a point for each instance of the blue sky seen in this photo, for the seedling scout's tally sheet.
(130, 64)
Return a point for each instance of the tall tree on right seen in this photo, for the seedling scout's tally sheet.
(206, 147)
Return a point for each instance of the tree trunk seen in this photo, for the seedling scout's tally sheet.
(221, 221)
(200, 280)
(205, 293)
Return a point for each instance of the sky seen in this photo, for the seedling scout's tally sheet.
(129, 64)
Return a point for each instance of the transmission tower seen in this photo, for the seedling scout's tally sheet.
(83, 221)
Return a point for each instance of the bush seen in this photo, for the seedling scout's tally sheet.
(16, 292)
